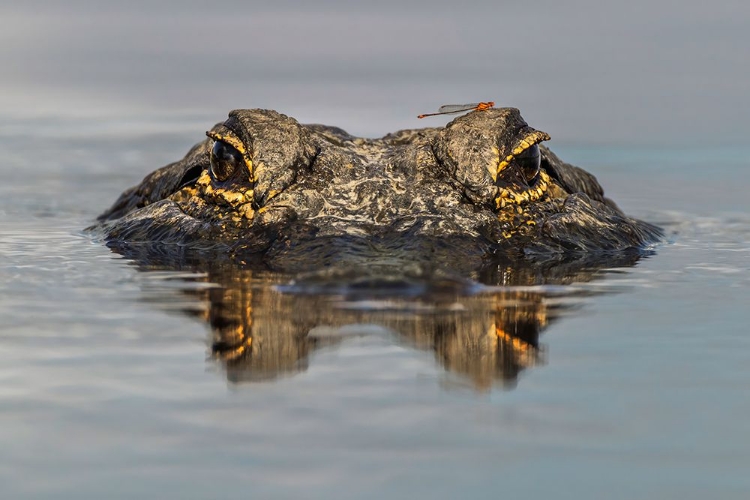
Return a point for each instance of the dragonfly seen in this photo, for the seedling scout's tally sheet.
(450, 109)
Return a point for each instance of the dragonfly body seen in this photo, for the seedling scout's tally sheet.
(450, 109)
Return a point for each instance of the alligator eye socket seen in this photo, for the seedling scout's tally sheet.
(225, 160)
(530, 161)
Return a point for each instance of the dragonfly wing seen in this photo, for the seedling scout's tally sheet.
(457, 108)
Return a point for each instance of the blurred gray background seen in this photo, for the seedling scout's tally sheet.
(612, 73)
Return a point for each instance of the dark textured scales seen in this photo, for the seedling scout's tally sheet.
(317, 196)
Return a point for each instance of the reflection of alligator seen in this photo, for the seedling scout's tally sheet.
(259, 332)
(264, 188)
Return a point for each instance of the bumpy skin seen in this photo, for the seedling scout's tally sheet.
(305, 197)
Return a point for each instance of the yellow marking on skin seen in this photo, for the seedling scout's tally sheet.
(491, 167)
(247, 211)
(504, 164)
(522, 146)
(272, 194)
(184, 194)
(204, 179)
(232, 140)
(232, 197)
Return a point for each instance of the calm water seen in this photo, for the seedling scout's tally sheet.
(627, 382)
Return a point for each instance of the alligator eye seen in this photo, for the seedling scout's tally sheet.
(529, 161)
(225, 160)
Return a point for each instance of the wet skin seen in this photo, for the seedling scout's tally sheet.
(265, 189)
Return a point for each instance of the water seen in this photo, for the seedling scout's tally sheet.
(119, 380)
(630, 382)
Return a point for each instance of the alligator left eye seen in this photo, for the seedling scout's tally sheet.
(225, 160)
(530, 161)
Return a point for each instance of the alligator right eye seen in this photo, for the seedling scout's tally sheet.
(530, 161)
(225, 160)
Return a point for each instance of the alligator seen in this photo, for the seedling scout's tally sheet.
(263, 189)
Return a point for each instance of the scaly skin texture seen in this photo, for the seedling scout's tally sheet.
(303, 197)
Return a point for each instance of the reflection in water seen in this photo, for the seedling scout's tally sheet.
(262, 333)
(263, 327)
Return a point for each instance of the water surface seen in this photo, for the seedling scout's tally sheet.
(621, 381)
